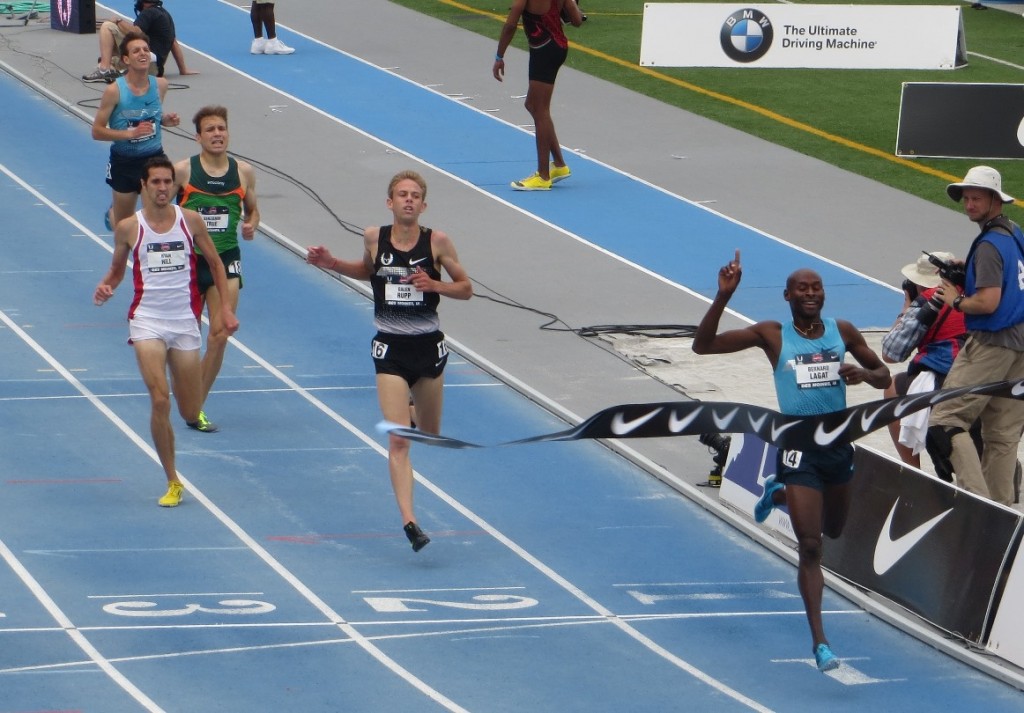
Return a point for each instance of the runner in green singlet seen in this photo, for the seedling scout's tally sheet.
(223, 190)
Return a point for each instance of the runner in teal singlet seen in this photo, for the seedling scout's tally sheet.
(811, 377)
(130, 115)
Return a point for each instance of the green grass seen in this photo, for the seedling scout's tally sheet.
(858, 106)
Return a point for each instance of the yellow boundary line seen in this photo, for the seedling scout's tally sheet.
(767, 113)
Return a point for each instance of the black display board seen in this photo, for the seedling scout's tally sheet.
(949, 120)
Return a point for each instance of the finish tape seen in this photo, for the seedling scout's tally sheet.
(692, 418)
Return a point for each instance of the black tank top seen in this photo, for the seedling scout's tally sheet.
(398, 307)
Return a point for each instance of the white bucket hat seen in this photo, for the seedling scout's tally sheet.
(979, 177)
(923, 273)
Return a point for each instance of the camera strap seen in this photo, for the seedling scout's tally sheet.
(1000, 224)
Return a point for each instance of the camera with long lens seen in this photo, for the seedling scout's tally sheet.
(719, 445)
(948, 271)
(911, 289)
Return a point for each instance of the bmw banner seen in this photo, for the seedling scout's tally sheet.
(811, 36)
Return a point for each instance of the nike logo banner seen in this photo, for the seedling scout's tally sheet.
(933, 549)
(692, 418)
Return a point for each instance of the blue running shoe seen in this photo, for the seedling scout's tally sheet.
(106, 218)
(826, 660)
(765, 505)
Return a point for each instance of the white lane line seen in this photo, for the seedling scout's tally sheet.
(461, 628)
(119, 550)
(141, 394)
(69, 628)
(230, 524)
(482, 190)
(305, 591)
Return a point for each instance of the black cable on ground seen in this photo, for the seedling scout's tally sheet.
(554, 323)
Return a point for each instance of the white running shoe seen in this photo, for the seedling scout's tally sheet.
(258, 45)
(276, 46)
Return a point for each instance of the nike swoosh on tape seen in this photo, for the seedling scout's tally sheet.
(723, 422)
(675, 424)
(889, 551)
(756, 423)
(621, 427)
(907, 403)
(776, 432)
(866, 421)
(824, 437)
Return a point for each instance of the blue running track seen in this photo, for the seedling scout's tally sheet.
(560, 578)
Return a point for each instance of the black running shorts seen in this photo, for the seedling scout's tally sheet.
(816, 469)
(410, 357)
(545, 62)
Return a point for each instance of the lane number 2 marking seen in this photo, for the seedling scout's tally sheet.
(481, 602)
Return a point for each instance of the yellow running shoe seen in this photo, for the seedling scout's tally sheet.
(558, 173)
(203, 424)
(173, 496)
(532, 183)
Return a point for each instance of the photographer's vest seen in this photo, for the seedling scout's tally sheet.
(1006, 237)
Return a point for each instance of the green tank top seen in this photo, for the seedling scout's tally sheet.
(218, 199)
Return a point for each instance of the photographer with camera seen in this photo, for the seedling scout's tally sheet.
(937, 333)
(992, 301)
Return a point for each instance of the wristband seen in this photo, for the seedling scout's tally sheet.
(498, 58)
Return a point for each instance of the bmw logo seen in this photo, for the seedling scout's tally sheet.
(747, 35)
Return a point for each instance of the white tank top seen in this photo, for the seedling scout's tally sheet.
(164, 272)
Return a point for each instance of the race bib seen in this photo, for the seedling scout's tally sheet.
(378, 349)
(791, 459)
(166, 257)
(402, 293)
(216, 218)
(816, 370)
(132, 123)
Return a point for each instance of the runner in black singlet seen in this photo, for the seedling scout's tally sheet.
(403, 263)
